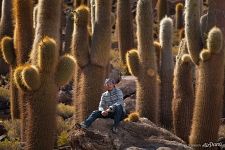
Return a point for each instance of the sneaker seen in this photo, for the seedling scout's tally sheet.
(114, 130)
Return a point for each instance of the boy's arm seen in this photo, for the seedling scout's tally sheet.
(102, 104)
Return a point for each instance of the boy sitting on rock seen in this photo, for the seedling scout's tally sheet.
(110, 106)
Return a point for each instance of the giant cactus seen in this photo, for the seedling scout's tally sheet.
(142, 63)
(68, 31)
(166, 72)
(125, 28)
(209, 94)
(92, 60)
(183, 99)
(48, 74)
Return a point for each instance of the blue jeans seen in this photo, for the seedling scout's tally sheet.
(117, 115)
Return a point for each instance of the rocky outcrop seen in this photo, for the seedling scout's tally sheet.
(131, 136)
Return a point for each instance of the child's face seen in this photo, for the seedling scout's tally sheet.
(109, 86)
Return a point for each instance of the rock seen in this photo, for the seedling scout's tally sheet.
(127, 85)
(2, 130)
(164, 148)
(65, 97)
(142, 135)
(130, 103)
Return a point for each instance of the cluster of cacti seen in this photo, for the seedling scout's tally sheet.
(183, 98)
(166, 72)
(91, 58)
(142, 64)
(209, 92)
(125, 28)
(179, 16)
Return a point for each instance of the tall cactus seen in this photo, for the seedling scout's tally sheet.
(48, 74)
(142, 63)
(92, 60)
(125, 28)
(209, 94)
(162, 9)
(192, 29)
(179, 16)
(183, 100)
(23, 38)
(6, 29)
(166, 72)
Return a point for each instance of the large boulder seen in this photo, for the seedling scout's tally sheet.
(127, 85)
(130, 103)
(131, 136)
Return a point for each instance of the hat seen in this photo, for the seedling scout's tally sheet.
(108, 80)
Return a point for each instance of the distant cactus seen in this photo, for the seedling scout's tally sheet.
(192, 29)
(183, 99)
(204, 30)
(142, 63)
(6, 29)
(125, 28)
(179, 16)
(166, 72)
(162, 9)
(48, 74)
(209, 94)
(90, 61)
(69, 32)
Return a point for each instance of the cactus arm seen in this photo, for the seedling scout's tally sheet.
(65, 70)
(17, 76)
(102, 32)
(132, 59)
(31, 78)
(80, 36)
(192, 29)
(47, 55)
(8, 51)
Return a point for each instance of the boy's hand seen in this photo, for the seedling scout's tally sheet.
(104, 113)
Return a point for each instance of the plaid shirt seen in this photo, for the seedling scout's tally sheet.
(111, 99)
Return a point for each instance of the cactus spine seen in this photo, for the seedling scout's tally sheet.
(166, 72)
(92, 60)
(162, 9)
(183, 100)
(142, 63)
(179, 16)
(125, 28)
(209, 94)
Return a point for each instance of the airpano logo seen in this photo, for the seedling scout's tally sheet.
(211, 144)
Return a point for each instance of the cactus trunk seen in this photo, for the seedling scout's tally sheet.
(183, 100)
(125, 28)
(166, 72)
